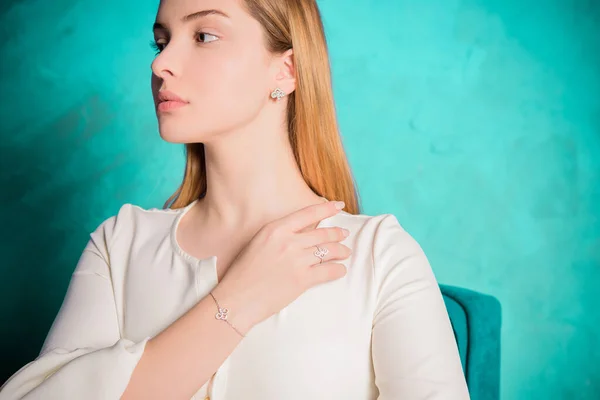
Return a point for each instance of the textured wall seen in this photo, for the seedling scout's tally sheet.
(476, 122)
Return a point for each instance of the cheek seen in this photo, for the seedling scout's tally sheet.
(231, 86)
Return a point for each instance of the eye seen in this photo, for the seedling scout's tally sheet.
(202, 35)
(157, 47)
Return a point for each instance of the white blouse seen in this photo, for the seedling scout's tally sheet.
(380, 332)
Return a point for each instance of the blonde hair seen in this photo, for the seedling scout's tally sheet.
(311, 114)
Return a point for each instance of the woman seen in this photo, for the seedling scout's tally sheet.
(250, 284)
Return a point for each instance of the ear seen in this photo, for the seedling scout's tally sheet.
(285, 72)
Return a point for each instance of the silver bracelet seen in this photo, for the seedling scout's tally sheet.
(222, 315)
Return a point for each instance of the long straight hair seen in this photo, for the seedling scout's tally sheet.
(311, 114)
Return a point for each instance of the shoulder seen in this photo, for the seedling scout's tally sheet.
(131, 221)
(383, 249)
(379, 232)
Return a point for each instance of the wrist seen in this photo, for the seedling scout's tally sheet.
(240, 314)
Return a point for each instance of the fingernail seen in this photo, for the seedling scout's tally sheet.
(346, 232)
(339, 205)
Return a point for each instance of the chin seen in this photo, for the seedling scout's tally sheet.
(171, 137)
(174, 134)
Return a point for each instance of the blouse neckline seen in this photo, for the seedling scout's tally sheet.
(179, 250)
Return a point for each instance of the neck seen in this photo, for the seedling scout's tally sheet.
(252, 178)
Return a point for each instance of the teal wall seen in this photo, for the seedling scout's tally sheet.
(476, 122)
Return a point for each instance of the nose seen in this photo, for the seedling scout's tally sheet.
(168, 62)
(160, 68)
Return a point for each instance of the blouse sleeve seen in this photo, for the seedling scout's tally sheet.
(415, 355)
(84, 355)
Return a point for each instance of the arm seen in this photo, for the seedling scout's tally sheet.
(184, 355)
(414, 351)
(85, 356)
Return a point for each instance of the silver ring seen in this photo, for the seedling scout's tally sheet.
(321, 252)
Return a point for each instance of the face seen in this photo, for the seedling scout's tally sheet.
(217, 64)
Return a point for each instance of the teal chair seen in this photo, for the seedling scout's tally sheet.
(476, 320)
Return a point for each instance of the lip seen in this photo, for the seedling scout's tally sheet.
(168, 100)
(170, 105)
(166, 95)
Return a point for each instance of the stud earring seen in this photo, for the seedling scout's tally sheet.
(277, 94)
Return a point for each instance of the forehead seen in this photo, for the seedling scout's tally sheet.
(182, 11)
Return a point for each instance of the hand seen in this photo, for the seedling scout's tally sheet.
(278, 265)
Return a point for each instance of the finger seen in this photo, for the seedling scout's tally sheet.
(299, 220)
(331, 251)
(322, 235)
(326, 272)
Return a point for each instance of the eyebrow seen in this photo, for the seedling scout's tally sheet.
(193, 16)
